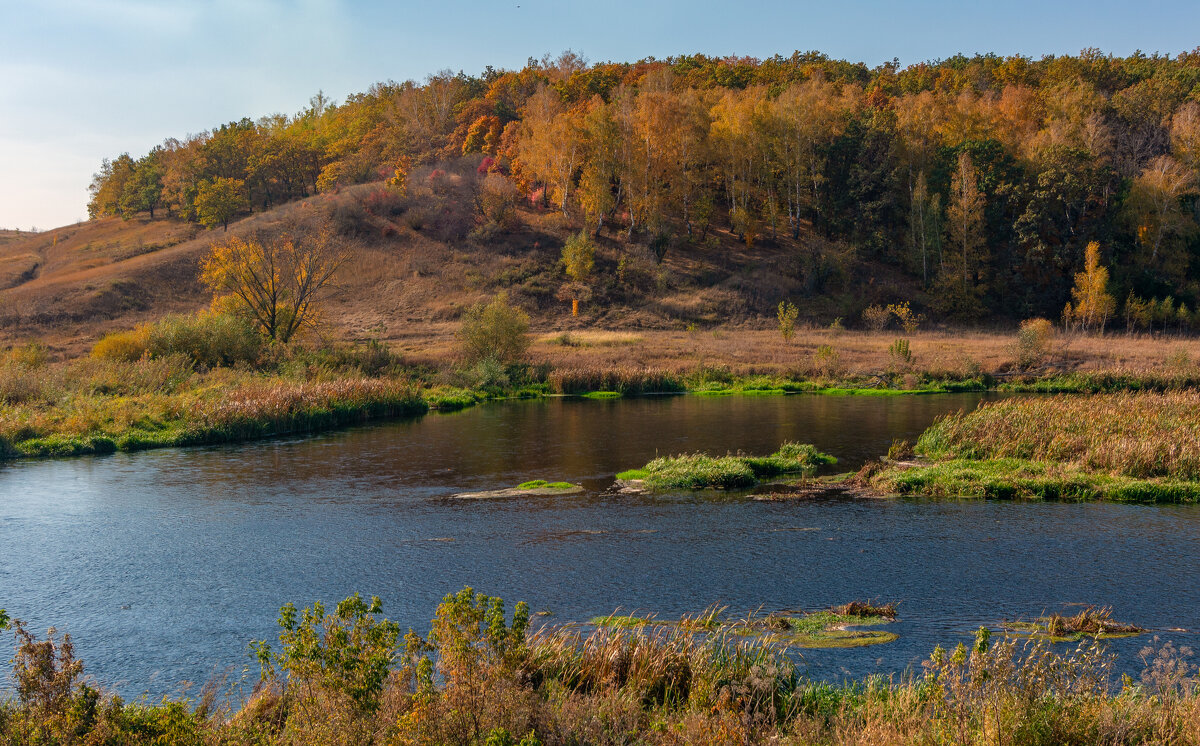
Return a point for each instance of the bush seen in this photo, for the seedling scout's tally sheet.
(494, 330)
(900, 353)
(497, 202)
(827, 361)
(211, 340)
(349, 218)
(787, 314)
(1033, 343)
(876, 317)
(125, 346)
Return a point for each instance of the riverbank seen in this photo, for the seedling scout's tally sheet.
(192, 395)
(1129, 447)
(345, 675)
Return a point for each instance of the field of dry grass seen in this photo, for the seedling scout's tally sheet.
(747, 350)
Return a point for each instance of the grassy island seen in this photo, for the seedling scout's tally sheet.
(829, 628)
(697, 471)
(1130, 447)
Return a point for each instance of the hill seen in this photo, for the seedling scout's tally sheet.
(416, 262)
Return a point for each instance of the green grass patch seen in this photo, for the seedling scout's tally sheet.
(698, 471)
(1021, 479)
(602, 395)
(542, 484)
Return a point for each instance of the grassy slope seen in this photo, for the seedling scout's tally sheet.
(73, 283)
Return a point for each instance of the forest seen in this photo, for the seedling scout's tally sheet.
(981, 179)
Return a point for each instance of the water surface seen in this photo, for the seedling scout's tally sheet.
(164, 564)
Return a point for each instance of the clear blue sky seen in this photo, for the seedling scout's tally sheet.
(81, 80)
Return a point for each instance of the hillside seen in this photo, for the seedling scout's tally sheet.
(415, 263)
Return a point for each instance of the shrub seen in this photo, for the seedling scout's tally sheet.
(909, 320)
(787, 314)
(900, 354)
(876, 317)
(349, 652)
(1033, 342)
(210, 339)
(497, 201)
(125, 346)
(494, 330)
(350, 218)
(827, 361)
(385, 203)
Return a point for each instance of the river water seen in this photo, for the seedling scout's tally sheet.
(163, 565)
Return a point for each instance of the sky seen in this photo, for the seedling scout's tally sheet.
(83, 80)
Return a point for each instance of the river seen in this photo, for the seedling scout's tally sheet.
(163, 565)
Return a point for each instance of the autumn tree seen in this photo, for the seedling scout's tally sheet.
(278, 283)
(959, 290)
(143, 190)
(494, 331)
(1092, 303)
(925, 225)
(108, 186)
(578, 258)
(1155, 207)
(219, 200)
(551, 145)
(601, 164)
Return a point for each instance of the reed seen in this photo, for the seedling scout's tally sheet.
(1133, 435)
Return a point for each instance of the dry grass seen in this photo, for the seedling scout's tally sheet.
(1128, 434)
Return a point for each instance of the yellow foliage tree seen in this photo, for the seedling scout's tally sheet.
(1092, 302)
(278, 284)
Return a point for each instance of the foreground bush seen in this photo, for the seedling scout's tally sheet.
(480, 677)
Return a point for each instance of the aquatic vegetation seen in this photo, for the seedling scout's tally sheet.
(1135, 435)
(602, 395)
(1018, 479)
(1096, 622)
(542, 484)
(531, 488)
(830, 628)
(700, 471)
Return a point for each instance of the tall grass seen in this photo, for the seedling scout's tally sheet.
(1134, 435)
(621, 379)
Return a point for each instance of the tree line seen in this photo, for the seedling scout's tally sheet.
(981, 179)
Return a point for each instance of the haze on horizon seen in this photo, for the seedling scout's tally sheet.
(84, 80)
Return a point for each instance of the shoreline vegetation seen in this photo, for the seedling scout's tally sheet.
(217, 377)
(196, 381)
(347, 675)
